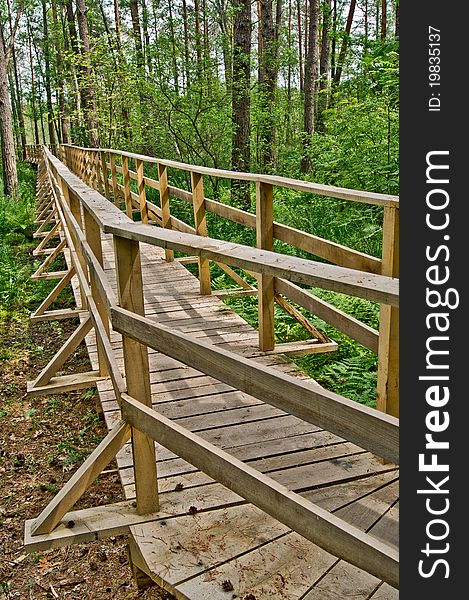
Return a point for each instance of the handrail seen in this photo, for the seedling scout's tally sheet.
(295, 184)
(79, 210)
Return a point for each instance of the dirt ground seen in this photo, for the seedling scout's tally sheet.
(42, 442)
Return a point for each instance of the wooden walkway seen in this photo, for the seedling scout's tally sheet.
(209, 544)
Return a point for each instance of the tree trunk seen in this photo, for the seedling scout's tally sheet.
(186, 44)
(60, 76)
(311, 73)
(324, 65)
(72, 49)
(396, 25)
(226, 29)
(33, 85)
(137, 35)
(241, 101)
(173, 44)
(343, 49)
(198, 39)
(10, 176)
(366, 25)
(300, 44)
(89, 97)
(146, 37)
(121, 61)
(383, 19)
(334, 39)
(47, 78)
(268, 72)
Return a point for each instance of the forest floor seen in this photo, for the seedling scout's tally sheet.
(43, 441)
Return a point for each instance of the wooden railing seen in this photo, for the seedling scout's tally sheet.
(82, 215)
(110, 172)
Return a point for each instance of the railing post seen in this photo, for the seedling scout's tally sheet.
(115, 189)
(198, 203)
(387, 399)
(142, 197)
(164, 203)
(105, 174)
(75, 208)
(266, 287)
(127, 192)
(130, 288)
(93, 237)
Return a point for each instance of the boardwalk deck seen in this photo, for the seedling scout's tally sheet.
(209, 543)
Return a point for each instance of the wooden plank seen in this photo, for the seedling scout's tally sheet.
(141, 192)
(343, 581)
(387, 396)
(307, 519)
(340, 279)
(179, 549)
(115, 190)
(93, 238)
(362, 425)
(364, 334)
(129, 280)
(58, 315)
(65, 383)
(331, 251)
(81, 479)
(164, 203)
(304, 347)
(265, 241)
(198, 203)
(105, 175)
(89, 524)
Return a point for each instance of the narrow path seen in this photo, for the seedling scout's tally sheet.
(209, 543)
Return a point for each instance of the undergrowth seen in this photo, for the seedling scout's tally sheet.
(352, 370)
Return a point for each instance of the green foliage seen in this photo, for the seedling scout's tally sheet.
(16, 228)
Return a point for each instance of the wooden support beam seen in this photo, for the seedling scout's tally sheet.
(65, 383)
(387, 398)
(303, 347)
(47, 276)
(89, 524)
(164, 203)
(65, 351)
(54, 293)
(130, 288)
(198, 203)
(58, 315)
(54, 232)
(231, 273)
(265, 241)
(81, 480)
(365, 335)
(309, 520)
(142, 197)
(302, 320)
(50, 259)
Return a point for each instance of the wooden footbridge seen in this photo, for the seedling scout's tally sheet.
(243, 478)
